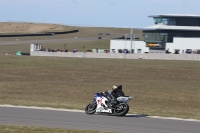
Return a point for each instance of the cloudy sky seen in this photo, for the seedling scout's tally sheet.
(104, 13)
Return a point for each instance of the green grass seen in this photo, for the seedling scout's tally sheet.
(89, 45)
(24, 129)
(165, 88)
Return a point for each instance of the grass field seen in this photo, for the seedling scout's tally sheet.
(23, 129)
(100, 44)
(164, 88)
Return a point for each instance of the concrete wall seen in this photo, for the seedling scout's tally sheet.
(126, 44)
(157, 56)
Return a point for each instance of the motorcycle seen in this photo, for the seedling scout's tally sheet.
(101, 104)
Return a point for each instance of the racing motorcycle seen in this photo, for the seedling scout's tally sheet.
(101, 104)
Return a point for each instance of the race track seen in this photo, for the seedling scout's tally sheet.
(56, 118)
(47, 41)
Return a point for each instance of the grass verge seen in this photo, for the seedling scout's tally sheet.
(24, 129)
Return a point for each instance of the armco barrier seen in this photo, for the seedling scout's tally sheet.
(38, 34)
(18, 35)
(155, 56)
(64, 32)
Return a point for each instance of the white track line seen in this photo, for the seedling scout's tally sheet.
(74, 110)
(42, 108)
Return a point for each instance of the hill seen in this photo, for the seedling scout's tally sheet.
(22, 27)
(25, 27)
(84, 32)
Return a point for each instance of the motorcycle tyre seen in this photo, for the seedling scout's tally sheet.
(89, 112)
(122, 113)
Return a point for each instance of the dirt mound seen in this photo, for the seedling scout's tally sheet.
(14, 27)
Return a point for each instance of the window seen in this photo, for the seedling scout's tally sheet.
(157, 20)
(170, 38)
(156, 37)
(163, 37)
(172, 21)
(161, 21)
(139, 51)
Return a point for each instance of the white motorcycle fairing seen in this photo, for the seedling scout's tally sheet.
(102, 107)
(124, 99)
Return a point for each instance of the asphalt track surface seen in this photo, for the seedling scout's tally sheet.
(48, 41)
(61, 118)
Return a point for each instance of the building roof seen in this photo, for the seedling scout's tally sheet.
(169, 27)
(176, 15)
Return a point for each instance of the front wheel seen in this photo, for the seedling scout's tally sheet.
(121, 109)
(91, 108)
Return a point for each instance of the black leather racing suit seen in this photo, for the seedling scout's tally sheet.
(114, 94)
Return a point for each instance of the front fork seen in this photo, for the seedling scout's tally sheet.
(94, 104)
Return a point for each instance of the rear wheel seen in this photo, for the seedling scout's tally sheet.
(91, 108)
(121, 109)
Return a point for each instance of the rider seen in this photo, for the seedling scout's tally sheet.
(113, 94)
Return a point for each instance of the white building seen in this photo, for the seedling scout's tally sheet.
(117, 45)
(178, 33)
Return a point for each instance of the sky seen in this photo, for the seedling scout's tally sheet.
(94, 13)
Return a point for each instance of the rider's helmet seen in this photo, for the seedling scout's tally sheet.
(117, 86)
(114, 87)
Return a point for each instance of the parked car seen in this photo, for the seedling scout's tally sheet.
(188, 51)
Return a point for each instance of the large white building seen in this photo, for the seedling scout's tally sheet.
(178, 33)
